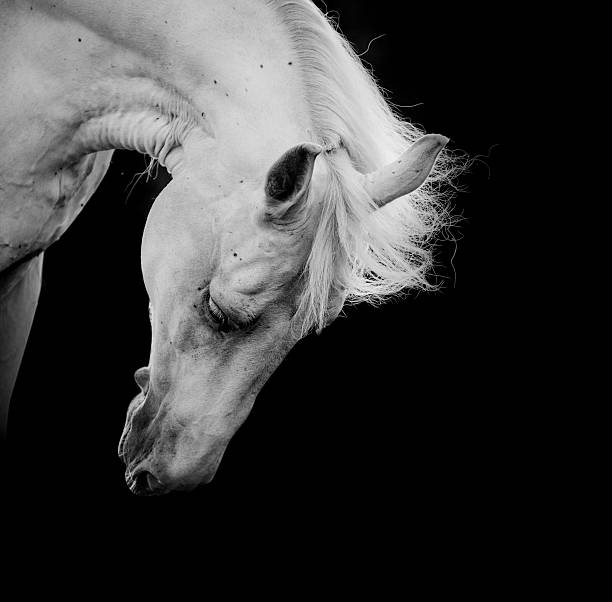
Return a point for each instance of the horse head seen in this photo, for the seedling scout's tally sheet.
(224, 272)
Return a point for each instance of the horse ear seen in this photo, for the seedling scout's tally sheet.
(288, 179)
(407, 173)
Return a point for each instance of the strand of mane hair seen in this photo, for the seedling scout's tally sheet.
(360, 253)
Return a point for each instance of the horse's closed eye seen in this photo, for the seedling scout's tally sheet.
(221, 319)
(216, 312)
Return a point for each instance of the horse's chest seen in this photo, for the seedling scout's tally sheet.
(36, 209)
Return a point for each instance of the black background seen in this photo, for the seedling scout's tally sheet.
(395, 420)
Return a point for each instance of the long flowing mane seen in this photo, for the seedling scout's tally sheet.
(359, 253)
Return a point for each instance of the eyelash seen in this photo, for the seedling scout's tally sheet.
(216, 312)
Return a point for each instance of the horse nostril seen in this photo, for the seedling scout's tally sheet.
(146, 484)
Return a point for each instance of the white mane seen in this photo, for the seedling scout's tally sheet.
(360, 253)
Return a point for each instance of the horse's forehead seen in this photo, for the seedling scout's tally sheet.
(244, 233)
(255, 259)
(263, 261)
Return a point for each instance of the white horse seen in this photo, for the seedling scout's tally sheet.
(288, 198)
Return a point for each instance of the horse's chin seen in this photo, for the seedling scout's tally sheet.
(142, 482)
(134, 404)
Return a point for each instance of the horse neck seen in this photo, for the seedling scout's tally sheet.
(224, 71)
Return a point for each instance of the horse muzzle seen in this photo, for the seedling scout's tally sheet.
(161, 457)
